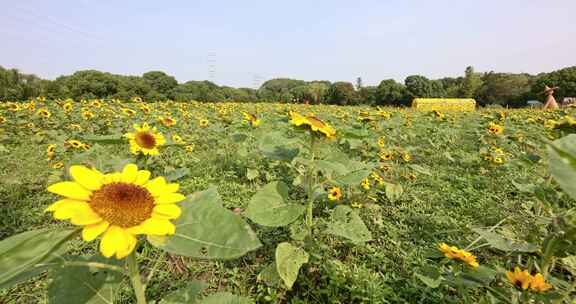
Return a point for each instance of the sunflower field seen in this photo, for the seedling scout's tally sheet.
(110, 201)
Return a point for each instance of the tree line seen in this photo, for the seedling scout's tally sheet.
(488, 88)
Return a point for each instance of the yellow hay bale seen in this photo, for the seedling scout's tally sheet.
(444, 104)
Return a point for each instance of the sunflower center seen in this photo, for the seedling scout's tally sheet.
(122, 204)
(146, 140)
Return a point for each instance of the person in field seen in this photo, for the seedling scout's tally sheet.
(550, 100)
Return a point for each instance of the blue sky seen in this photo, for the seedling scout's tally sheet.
(252, 41)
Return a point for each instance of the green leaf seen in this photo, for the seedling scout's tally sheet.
(19, 254)
(346, 223)
(80, 284)
(289, 259)
(393, 192)
(527, 188)
(188, 294)
(420, 169)
(499, 242)
(430, 282)
(298, 231)
(268, 206)
(176, 174)
(225, 298)
(270, 276)
(275, 146)
(206, 230)
(105, 139)
(353, 178)
(239, 137)
(252, 174)
(562, 162)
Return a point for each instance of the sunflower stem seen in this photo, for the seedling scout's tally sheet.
(135, 279)
(309, 207)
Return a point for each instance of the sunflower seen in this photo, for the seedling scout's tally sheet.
(203, 122)
(190, 148)
(454, 253)
(494, 128)
(519, 278)
(44, 113)
(145, 108)
(96, 103)
(538, 284)
(356, 205)
(252, 119)
(168, 121)
(14, 107)
(3, 119)
(381, 142)
(128, 112)
(145, 140)
(334, 193)
(87, 115)
(50, 151)
(67, 107)
(498, 160)
(313, 123)
(386, 155)
(177, 139)
(365, 184)
(119, 206)
(406, 157)
(76, 144)
(58, 165)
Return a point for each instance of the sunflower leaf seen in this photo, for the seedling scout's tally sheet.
(268, 206)
(21, 255)
(346, 223)
(562, 155)
(206, 230)
(289, 259)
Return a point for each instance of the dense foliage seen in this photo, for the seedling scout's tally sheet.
(410, 207)
(489, 88)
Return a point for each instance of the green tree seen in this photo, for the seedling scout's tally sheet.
(161, 83)
(342, 93)
(471, 83)
(565, 79)
(389, 92)
(504, 89)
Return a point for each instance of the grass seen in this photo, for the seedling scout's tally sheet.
(461, 191)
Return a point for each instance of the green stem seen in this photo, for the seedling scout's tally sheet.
(139, 288)
(309, 209)
(84, 264)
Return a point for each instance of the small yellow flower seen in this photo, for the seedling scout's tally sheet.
(177, 139)
(190, 148)
(87, 115)
(381, 142)
(128, 112)
(50, 151)
(76, 144)
(494, 128)
(386, 155)
(67, 107)
(334, 193)
(365, 184)
(454, 253)
(145, 140)
(203, 122)
(406, 157)
(3, 119)
(498, 160)
(58, 165)
(44, 113)
(538, 283)
(168, 121)
(119, 206)
(252, 119)
(96, 103)
(356, 205)
(312, 123)
(519, 278)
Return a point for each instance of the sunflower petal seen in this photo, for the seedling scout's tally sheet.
(71, 190)
(156, 226)
(166, 211)
(169, 198)
(91, 232)
(129, 173)
(84, 215)
(142, 177)
(156, 186)
(170, 188)
(130, 243)
(87, 178)
(69, 208)
(113, 240)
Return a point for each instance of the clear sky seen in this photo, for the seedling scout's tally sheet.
(241, 43)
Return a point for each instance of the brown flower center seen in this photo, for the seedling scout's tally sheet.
(122, 204)
(146, 140)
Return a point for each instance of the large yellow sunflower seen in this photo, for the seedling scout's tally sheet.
(313, 123)
(119, 206)
(145, 140)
